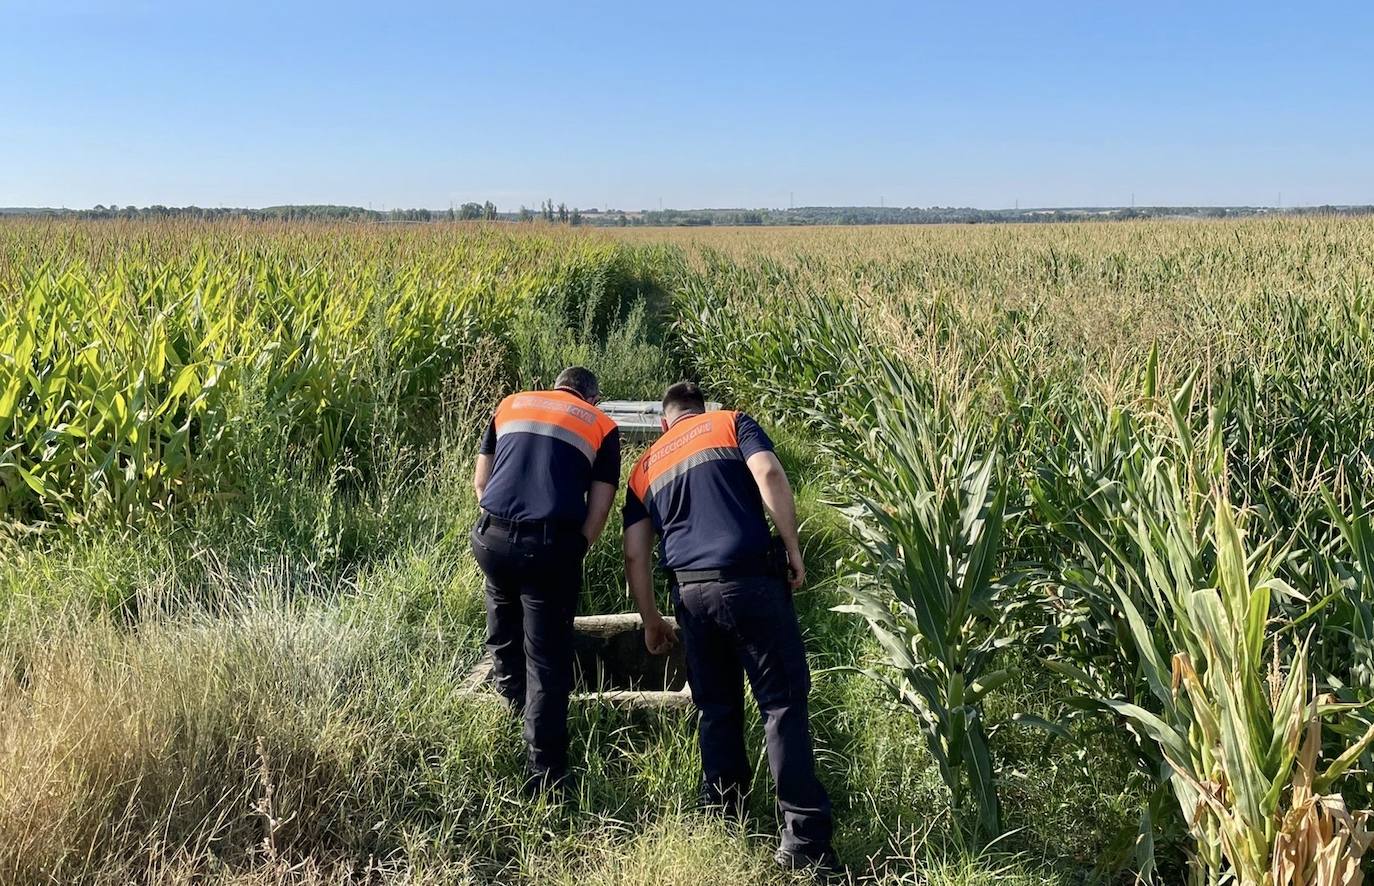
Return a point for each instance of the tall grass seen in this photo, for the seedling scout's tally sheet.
(1107, 481)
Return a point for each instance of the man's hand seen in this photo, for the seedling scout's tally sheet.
(796, 570)
(659, 636)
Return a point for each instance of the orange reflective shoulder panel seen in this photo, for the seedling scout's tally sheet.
(637, 482)
(692, 441)
(555, 414)
(607, 423)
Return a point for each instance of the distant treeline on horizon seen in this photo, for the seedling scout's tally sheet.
(803, 215)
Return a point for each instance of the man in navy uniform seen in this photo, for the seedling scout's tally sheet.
(704, 487)
(546, 476)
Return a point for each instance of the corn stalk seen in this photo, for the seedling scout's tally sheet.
(928, 517)
(1226, 716)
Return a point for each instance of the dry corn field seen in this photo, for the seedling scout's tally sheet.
(1086, 510)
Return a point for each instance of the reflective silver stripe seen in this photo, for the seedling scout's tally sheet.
(715, 453)
(529, 426)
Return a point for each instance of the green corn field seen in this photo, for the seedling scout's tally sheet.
(1087, 511)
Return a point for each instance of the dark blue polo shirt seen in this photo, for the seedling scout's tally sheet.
(695, 486)
(549, 447)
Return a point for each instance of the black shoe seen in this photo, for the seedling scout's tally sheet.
(824, 865)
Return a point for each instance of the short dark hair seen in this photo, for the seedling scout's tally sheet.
(685, 396)
(580, 380)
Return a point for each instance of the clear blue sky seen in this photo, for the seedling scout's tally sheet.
(699, 104)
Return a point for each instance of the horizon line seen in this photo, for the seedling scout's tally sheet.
(866, 206)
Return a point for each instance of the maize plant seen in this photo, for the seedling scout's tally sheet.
(128, 374)
(1231, 717)
(1348, 624)
(1320, 841)
(928, 518)
(1191, 608)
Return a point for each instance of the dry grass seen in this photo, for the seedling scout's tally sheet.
(114, 742)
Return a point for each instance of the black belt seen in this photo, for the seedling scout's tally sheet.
(729, 573)
(533, 527)
(773, 564)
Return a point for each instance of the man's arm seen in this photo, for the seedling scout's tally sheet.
(659, 636)
(782, 507)
(605, 479)
(481, 473)
(599, 500)
(486, 457)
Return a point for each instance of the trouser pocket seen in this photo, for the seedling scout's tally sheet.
(771, 642)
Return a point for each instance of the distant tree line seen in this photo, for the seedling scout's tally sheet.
(560, 213)
(891, 215)
(270, 213)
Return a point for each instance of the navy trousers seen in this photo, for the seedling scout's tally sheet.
(749, 627)
(534, 577)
